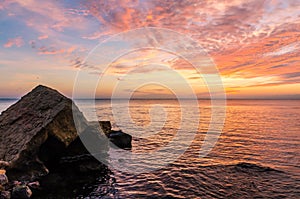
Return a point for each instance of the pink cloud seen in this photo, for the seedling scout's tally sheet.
(246, 39)
(18, 41)
(43, 37)
(54, 51)
(47, 17)
(217, 24)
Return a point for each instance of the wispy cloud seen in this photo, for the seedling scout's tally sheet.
(54, 51)
(18, 42)
(284, 50)
(43, 37)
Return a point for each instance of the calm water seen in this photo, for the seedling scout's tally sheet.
(257, 154)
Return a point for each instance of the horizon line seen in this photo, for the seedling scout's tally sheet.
(260, 98)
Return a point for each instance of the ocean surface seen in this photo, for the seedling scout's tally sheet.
(257, 155)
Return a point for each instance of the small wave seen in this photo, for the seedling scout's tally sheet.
(245, 166)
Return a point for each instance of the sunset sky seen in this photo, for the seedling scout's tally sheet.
(254, 44)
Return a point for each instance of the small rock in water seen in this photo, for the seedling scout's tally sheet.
(121, 139)
(17, 183)
(21, 192)
(34, 185)
(5, 195)
(3, 178)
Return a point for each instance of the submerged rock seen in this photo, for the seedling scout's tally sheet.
(34, 185)
(21, 192)
(5, 195)
(249, 167)
(38, 126)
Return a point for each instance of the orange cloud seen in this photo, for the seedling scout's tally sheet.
(271, 56)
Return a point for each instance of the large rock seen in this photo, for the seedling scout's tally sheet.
(38, 127)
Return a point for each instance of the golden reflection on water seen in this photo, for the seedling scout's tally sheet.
(258, 131)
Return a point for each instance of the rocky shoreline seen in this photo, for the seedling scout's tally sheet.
(41, 152)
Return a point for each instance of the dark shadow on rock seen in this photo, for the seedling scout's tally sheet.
(76, 168)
